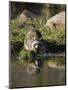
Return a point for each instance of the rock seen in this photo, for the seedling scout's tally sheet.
(54, 65)
(25, 15)
(22, 19)
(29, 14)
(57, 22)
(58, 63)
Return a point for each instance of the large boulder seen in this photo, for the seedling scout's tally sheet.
(57, 22)
(25, 15)
(29, 14)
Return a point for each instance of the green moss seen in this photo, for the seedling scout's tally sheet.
(23, 54)
(54, 36)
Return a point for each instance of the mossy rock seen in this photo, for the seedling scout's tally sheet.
(55, 29)
(57, 22)
(57, 63)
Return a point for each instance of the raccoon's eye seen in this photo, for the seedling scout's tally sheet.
(33, 38)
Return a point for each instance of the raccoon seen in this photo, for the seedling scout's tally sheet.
(33, 43)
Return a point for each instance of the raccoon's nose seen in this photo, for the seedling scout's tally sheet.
(36, 46)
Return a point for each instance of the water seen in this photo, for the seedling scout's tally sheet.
(52, 73)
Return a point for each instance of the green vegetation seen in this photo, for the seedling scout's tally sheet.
(18, 33)
(54, 36)
(23, 55)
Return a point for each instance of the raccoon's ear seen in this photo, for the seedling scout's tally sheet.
(39, 34)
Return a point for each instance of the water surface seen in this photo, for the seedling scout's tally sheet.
(48, 75)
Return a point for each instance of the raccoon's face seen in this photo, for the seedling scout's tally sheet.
(36, 45)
